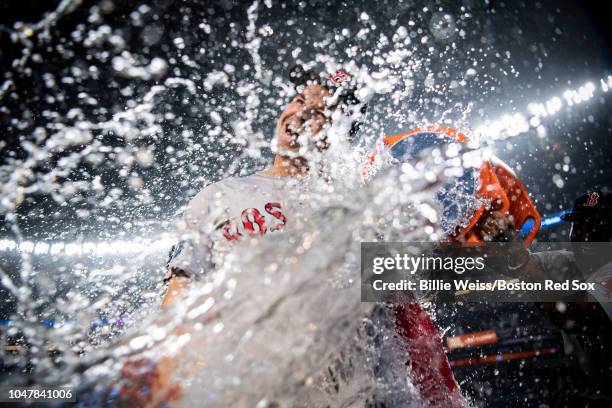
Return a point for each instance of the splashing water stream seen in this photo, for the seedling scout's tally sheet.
(127, 121)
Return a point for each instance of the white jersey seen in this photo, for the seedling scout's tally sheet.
(223, 213)
(603, 287)
(561, 265)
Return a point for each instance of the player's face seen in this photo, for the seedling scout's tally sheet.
(304, 115)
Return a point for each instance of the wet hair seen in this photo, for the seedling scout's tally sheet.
(301, 77)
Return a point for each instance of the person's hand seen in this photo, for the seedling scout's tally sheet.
(148, 383)
(496, 227)
(176, 286)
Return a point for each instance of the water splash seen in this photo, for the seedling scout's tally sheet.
(116, 119)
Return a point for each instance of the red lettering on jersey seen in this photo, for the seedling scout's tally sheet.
(339, 77)
(228, 233)
(251, 215)
(270, 209)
